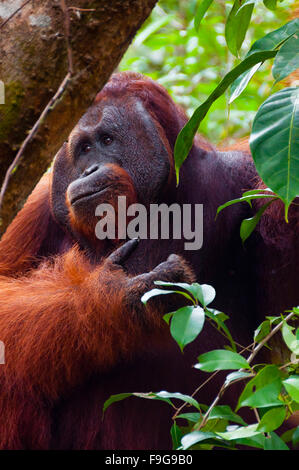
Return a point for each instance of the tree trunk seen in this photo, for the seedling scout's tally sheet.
(34, 61)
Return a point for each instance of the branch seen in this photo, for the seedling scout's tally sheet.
(266, 339)
(67, 35)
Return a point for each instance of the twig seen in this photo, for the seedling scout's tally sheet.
(194, 393)
(62, 87)
(256, 415)
(67, 35)
(266, 339)
(289, 364)
(81, 9)
(14, 13)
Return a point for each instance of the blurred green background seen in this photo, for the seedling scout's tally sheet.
(190, 64)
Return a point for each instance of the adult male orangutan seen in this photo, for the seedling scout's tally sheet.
(71, 319)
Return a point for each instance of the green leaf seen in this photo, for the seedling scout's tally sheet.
(241, 83)
(176, 435)
(167, 317)
(264, 397)
(253, 192)
(114, 399)
(186, 324)
(247, 2)
(236, 376)
(236, 26)
(155, 292)
(296, 310)
(193, 417)
(201, 11)
(194, 437)
(221, 359)
(269, 42)
(272, 419)
(185, 138)
(295, 438)
(273, 442)
(262, 331)
(167, 396)
(204, 293)
(257, 441)
(215, 315)
(243, 199)
(240, 432)
(289, 338)
(291, 385)
(274, 143)
(179, 396)
(275, 38)
(287, 59)
(270, 4)
(248, 225)
(225, 412)
(263, 390)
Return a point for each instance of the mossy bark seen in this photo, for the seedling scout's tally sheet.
(33, 62)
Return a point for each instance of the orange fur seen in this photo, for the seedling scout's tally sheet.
(61, 323)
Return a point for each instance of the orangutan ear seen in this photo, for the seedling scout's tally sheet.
(61, 178)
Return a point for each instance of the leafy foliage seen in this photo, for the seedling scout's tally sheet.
(190, 62)
(184, 46)
(272, 391)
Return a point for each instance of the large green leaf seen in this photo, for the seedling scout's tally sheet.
(240, 432)
(275, 38)
(185, 138)
(248, 225)
(236, 26)
(287, 59)
(166, 396)
(115, 398)
(273, 442)
(272, 419)
(155, 292)
(274, 143)
(270, 4)
(269, 42)
(204, 293)
(176, 435)
(289, 338)
(221, 359)
(194, 437)
(263, 390)
(186, 324)
(291, 385)
(201, 11)
(225, 412)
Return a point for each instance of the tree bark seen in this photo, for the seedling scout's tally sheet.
(34, 60)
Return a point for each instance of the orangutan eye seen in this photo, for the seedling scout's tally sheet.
(106, 139)
(85, 148)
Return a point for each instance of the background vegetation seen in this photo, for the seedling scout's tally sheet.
(190, 64)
